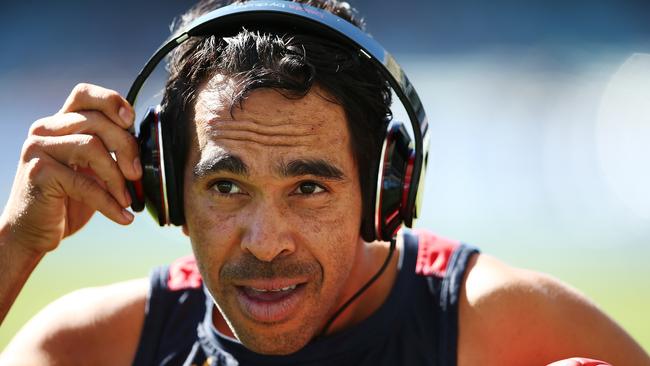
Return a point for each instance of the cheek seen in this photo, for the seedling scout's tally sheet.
(332, 237)
(210, 233)
(340, 250)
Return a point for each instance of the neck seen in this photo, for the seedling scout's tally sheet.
(371, 282)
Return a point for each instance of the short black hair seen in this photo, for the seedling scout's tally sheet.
(290, 61)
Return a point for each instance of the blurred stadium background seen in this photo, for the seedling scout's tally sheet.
(540, 117)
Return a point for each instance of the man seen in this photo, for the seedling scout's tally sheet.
(281, 130)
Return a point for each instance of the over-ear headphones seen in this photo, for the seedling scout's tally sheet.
(402, 162)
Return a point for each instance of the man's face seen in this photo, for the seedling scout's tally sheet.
(273, 210)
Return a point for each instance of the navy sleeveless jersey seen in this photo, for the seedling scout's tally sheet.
(416, 325)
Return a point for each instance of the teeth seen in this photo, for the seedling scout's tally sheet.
(288, 288)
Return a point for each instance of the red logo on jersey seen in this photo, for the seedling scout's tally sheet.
(184, 274)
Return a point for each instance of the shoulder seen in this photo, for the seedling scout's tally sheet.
(511, 316)
(99, 325)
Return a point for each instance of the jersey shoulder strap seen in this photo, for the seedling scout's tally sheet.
(443, 262)
(174, 309)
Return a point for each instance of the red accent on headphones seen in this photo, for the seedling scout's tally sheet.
(139, 191)
(394, 183)
(407, 179)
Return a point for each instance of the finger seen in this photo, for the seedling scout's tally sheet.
(93, 97)
(86, 152)
(116, 139)
(79, 187)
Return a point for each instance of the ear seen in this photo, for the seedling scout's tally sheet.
(186, 231)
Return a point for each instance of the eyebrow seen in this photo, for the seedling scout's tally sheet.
(229, 163)
(316, 167)
(222, 163)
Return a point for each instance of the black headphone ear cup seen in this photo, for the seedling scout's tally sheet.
(369, 198)
(158, 190)
(368, 232)
(394, 181)
(173, 170)
(153, 171)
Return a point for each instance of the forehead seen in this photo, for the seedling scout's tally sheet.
(269, 122)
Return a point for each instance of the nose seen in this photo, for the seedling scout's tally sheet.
(266, 232)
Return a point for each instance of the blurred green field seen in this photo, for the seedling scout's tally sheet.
(616, 279)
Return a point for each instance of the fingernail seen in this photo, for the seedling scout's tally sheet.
(126, 115)
(137, 166)
(127, 215)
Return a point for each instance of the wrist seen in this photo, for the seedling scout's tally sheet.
(10, 240)
(17, 262)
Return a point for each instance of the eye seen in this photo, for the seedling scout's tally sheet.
(226, 187)
(308, 188)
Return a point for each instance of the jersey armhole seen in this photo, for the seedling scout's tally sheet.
(443, 262)
(153, 314)
(174, 290)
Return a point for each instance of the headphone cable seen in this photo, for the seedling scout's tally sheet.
(372, 280)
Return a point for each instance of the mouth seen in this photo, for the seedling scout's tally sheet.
(268, 302)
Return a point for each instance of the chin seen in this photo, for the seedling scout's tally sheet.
(276, 343)
(274, 351)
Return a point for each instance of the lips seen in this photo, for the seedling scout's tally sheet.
(268, 295)
(270, 302)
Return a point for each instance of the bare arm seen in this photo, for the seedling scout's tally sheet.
(510, 316)
(95, 326)
(17, 264)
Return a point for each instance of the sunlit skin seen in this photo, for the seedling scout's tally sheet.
(272, 201)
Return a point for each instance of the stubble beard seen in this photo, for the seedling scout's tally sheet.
(279, 338)
(276, 339)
